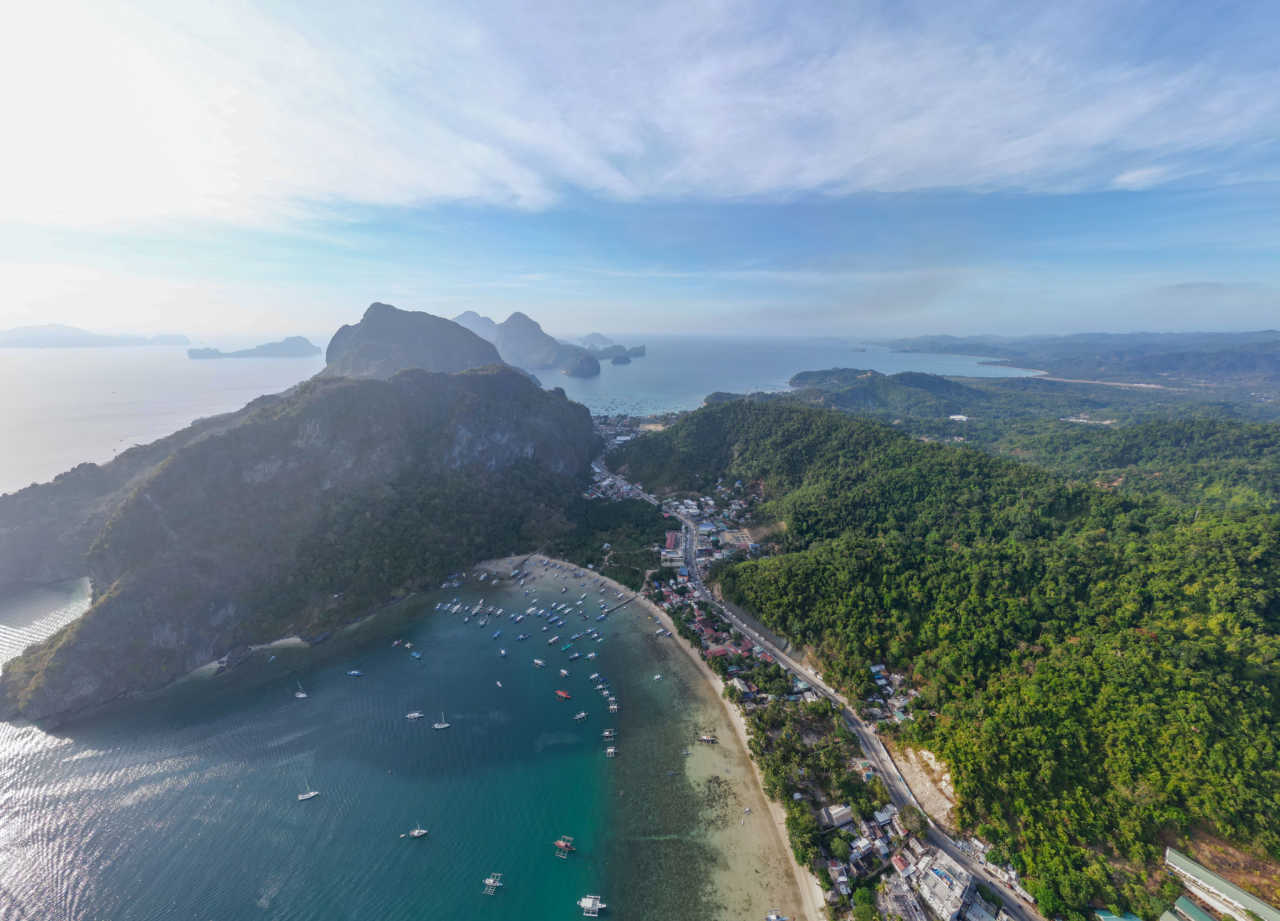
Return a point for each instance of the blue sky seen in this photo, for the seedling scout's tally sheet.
(235, 169)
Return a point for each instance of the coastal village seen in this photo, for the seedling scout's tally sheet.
(870, 857)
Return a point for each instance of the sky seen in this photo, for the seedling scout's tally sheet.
(235, 170)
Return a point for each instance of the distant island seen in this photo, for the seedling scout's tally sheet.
(602, 348)
(292, 347)
(521, 342)
(56, 336)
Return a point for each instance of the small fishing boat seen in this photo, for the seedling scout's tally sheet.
(564, 673)
(611, 752)
(563, 695)
(609, 734)
(539, 663)
(414, 715)
(492, 883)
(496, 634)
(522, 637)
(498, 683)
(594, 676)
(580, 715)
(564, 846)
(300, 694)
(417, 833)
(442, 724)
(573, 657)
(310, 794)
(355, 673)
(708, 739)
(503, 653)
(416, 654)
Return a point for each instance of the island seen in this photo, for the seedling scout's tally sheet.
(57, 336)
(292, 347)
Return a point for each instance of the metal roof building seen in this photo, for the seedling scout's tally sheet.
(1216, 891)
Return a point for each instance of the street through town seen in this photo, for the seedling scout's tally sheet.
(899, 791)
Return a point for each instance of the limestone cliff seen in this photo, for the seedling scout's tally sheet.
(297, 513)
(388, 340)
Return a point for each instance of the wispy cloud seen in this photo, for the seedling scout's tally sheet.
(229, 111)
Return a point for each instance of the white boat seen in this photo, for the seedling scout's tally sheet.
(355, 673)
(442, 724)
(580, 715)
(417, 833)
(503, 653)
(300, 694)
(564, 673)
(310, 794)
(498, 683)
(414, 715)
(539, 663)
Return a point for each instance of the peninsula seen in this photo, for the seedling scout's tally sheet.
(292, 347)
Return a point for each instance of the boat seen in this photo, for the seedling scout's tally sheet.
(611, 752)
(580, 715)
(573, 657)
(496, 634)
(566, 647)
(417, 833)
(657, 677)
(355, 673)
(564, 673)
(775, 915)
(591, 655)
(609, 734)
(414, 715)
(539, 663)
(498, 683)
(563, 695)
(416, 654)
(522, 637)
(442, 724)
(310, 794)
(594, 676)
(555, 639)
(564, 846)
(708, 739)
(503, 653)
(492, 883)
(300, 694)
(591, 906)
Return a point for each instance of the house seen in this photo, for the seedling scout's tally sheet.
(835, 817)
(900, 864)
(885, 816)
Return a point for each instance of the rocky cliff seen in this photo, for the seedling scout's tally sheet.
(293, 516)
(388, 340)
(522, 342)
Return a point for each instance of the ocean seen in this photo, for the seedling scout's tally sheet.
(186, 806)
(60, 407)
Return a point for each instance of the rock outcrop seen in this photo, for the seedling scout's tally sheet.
(388, 340)
(522, 342)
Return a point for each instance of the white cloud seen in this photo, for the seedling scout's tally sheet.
(227, 111)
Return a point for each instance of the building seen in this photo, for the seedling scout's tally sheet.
(1187, 910)
(835, 816)
(1216, 892)
(979, 909)
(943, 885)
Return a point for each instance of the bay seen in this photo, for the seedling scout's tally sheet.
(185, 806)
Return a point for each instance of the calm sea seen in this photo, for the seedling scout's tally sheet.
(186, 807)
(61, 407)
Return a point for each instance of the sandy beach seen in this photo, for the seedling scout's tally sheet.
(756, 871)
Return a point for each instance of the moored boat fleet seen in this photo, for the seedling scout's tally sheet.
(555, 614)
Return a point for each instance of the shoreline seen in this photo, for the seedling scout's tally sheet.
(811, 905)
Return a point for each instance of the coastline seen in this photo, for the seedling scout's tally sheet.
(746, 849)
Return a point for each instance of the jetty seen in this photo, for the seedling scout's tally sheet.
(591, 906)
(492, 883)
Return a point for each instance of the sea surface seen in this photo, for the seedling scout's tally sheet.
(185, 807)
(61, 407)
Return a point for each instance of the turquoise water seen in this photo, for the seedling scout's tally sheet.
(185, 806)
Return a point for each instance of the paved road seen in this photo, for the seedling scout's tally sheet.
(899, 792)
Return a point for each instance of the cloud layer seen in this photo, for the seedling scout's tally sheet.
(228, 111)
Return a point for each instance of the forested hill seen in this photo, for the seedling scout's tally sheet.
(1101, 672)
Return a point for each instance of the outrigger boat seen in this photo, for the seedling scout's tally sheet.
(591, 906)
(563, 695)
(564, 846)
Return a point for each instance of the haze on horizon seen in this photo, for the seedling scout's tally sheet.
(250, 170)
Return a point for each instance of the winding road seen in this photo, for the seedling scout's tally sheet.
(899, 792)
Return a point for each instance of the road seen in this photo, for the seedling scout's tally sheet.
(899, 791)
